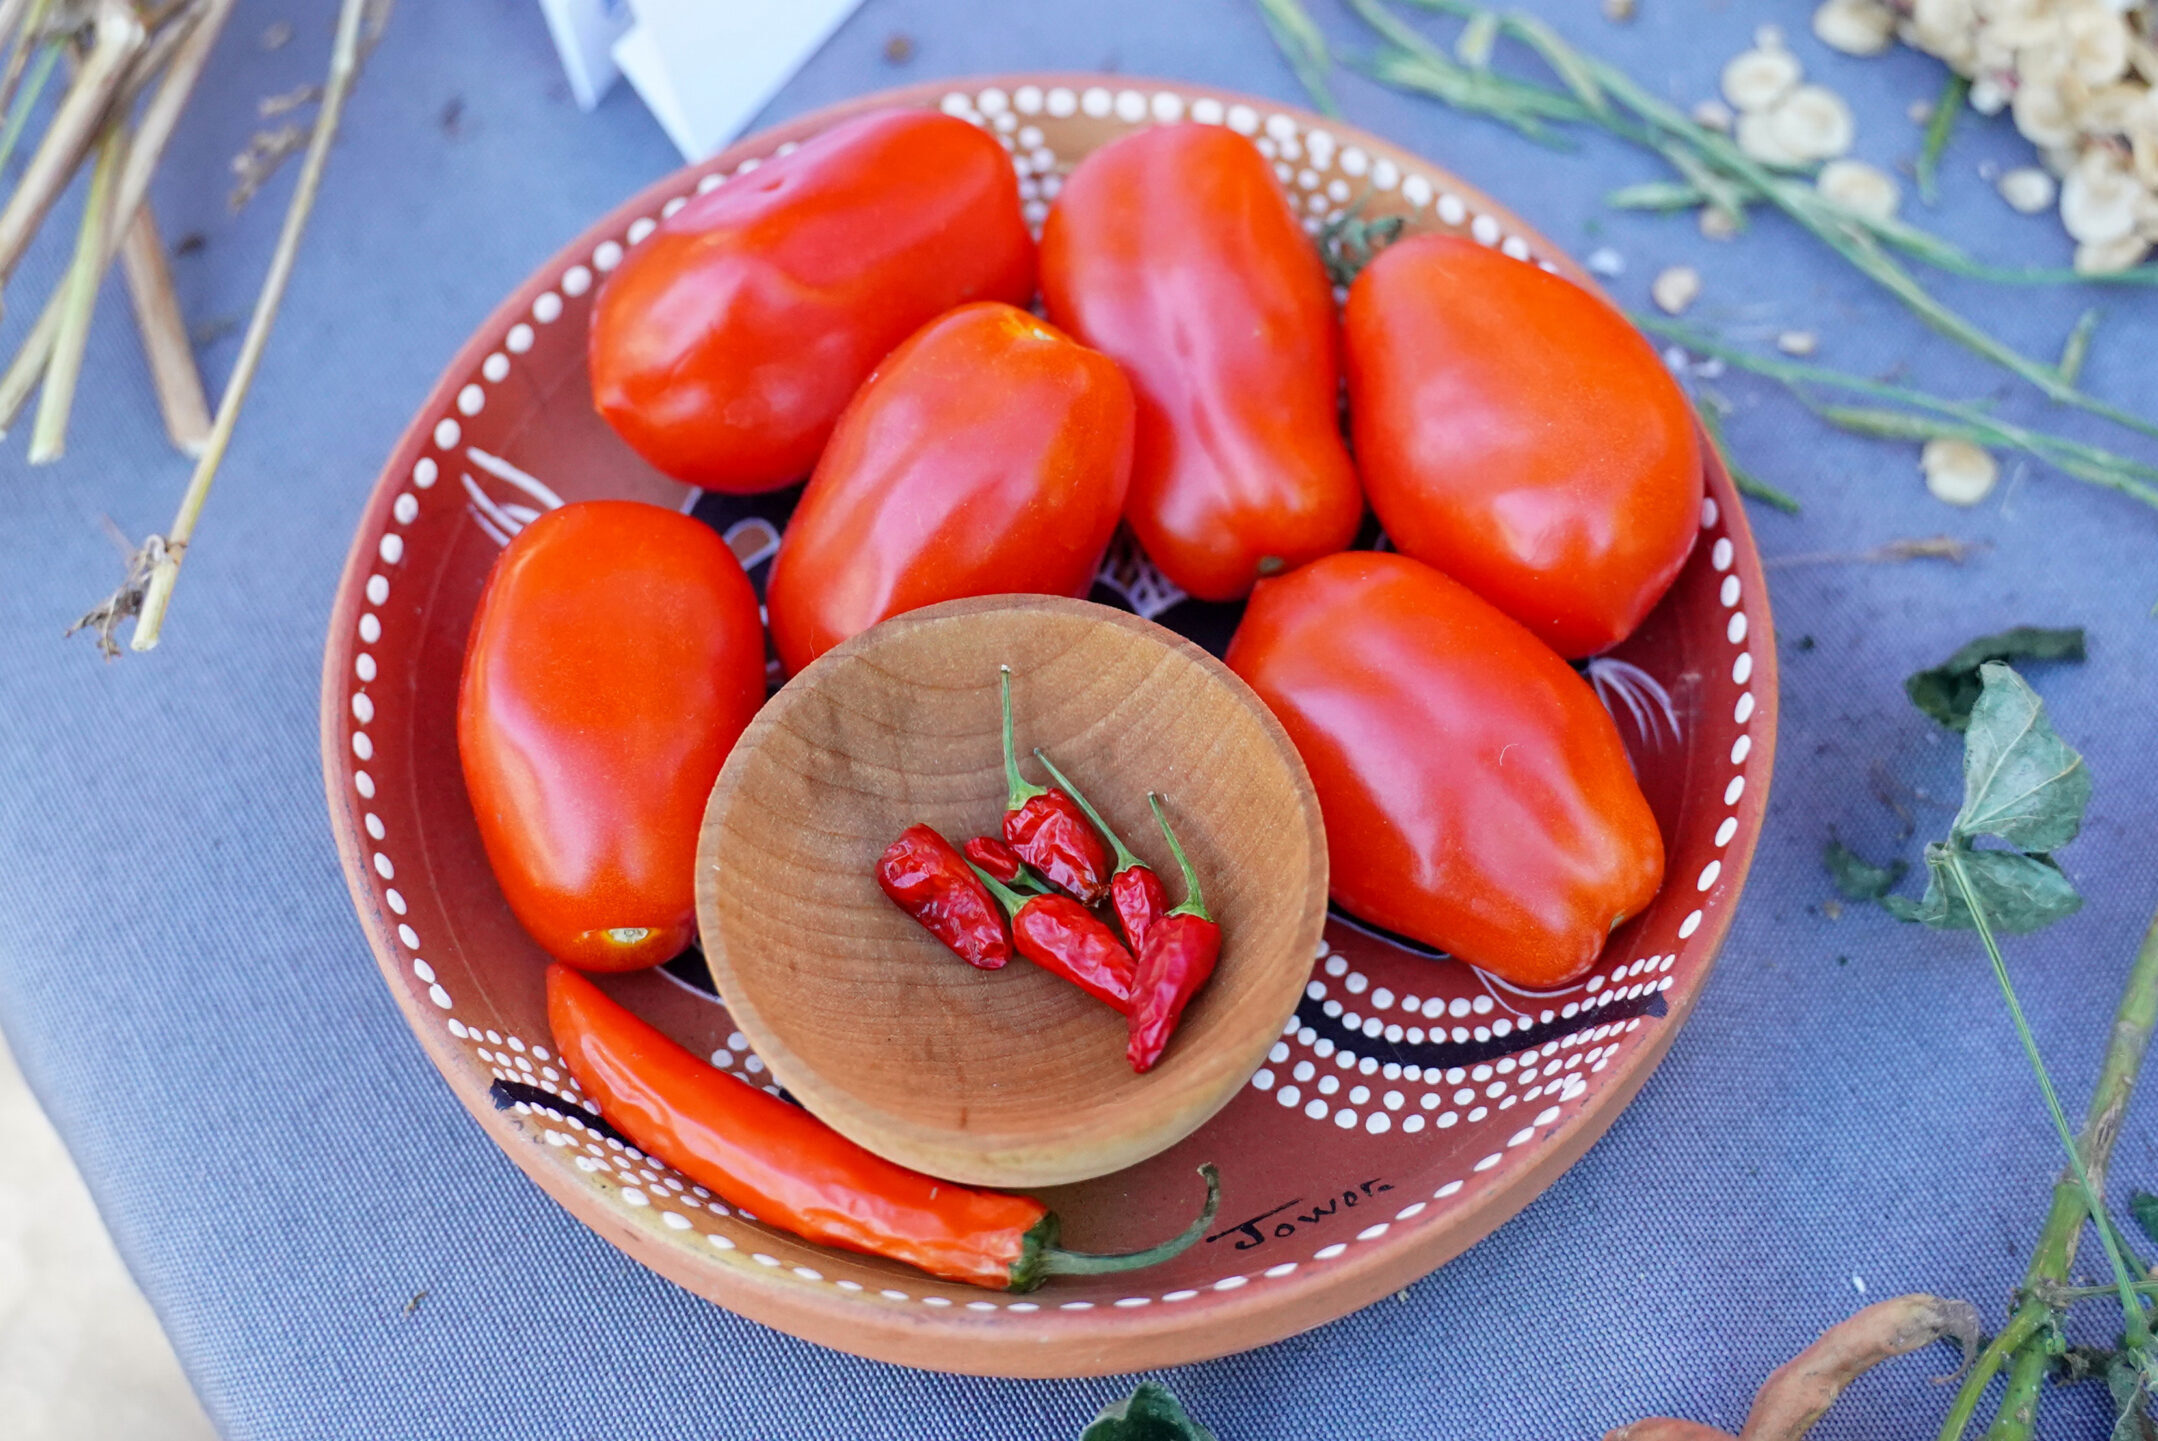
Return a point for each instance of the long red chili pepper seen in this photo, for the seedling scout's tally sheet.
(1179, 955)
(793, 1171)
(931, 882)
(1134, 890)
(1066, 939)
(1047, 828)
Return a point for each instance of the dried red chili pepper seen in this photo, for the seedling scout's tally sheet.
(931, 882)
(1135, 890)
(995, 857)
(791, 1170)
(1179, 955)
(1046, 827)
(1066, 939)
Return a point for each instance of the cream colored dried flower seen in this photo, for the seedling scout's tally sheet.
(2028, 189)
(2109, 256)
(1947, 28)
(1758, 79)
(1675, 289)
(1757, 137)
(2044, 116)
(1814, 123)
(1865, 189)
(1856, 27)
(1957, 471)
(2098, 198)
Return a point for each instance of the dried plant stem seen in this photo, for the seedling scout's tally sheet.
(344, 65)
(173, 372)
(48, 438)
(116, 36)
(19, 381)
(31, 20)
(25, 101)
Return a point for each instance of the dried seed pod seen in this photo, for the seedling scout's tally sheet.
(1675, 289)
(1856, 27)
(1856, 186)
(2113, 255)
(1757, 137)
(2098, 199)
(1667, 1428)
(1813, 123)
(1757, 79)
(1957, 471)
(2028, 189)
(1714, 115)
(1797, 1393)
(1798, 342)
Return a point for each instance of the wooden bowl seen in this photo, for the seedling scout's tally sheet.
(1417, 1104)
(1008, 1078)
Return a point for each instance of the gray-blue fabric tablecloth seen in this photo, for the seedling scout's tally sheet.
(1846, 1116)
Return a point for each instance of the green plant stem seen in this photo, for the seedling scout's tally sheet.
(26, 100)
(48, 435)
(1748, 484)
(2138, 1323)
(1939, 126)
(1303, 46)
(2133, 1022)
(2027, 1323)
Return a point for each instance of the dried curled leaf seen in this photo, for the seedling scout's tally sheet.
(1948, 691)
(1858, 879)
(2020, 893)
(1149, 1413)
(2021, 782)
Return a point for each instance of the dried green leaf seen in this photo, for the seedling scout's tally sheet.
(1949, 690)
(2143, 1206)
(2020, 893)
(1149, 1413)
(2021, 782)
(1858, 879)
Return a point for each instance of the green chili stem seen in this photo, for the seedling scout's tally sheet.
(1080, 1263)
(2138, 1322)
(1010, 899)
(1019, 789)
(1194, 902)
(1125, 860)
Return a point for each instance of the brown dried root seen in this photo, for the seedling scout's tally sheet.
(1798, 1392)
(1667, 1428)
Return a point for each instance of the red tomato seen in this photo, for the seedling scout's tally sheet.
(615, 657)
(1174, 252)
(724, 347)
(1476, 795)
(1514, 431)
(988, 454)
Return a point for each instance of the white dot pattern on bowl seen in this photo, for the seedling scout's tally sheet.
(1547, 1072)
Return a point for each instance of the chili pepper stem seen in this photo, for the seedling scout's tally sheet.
(1008, 898)
(1043, 1259)
(1021, 790)
(1125, 860)
(1194, 902)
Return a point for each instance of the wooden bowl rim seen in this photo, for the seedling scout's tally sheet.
(1210, 1086)
(952, 1341)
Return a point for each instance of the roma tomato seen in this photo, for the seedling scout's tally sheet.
(1514, 431)
(724, 347)
(1476, 795)
(988, 454)
(1174, 252)
(615, 657)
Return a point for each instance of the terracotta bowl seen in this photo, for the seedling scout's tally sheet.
(1415, 1104)
(1012, 1077)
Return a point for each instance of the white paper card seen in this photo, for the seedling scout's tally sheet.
(638, 54)
(723, 60)
(585, 32)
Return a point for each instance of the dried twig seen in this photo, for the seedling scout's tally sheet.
(164, 567)
(1929, 547)
(173, 372)
(116, 36)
